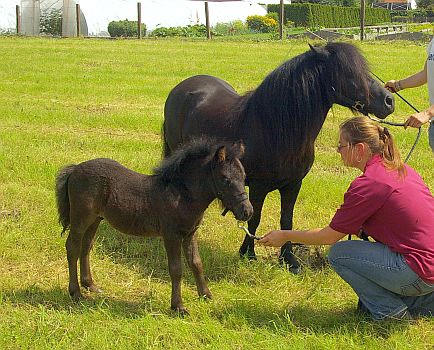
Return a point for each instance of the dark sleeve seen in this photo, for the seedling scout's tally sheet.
(362, 199)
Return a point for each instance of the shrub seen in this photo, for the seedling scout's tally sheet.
(125, 29)
(190, 31)
(236, 27)
(262, 24)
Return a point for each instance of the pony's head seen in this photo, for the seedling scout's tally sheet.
(349, 80)
(206, 166)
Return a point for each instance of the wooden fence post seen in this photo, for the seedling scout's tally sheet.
(282, 12)
(208, 29)
(77, 16)
(362, 20)
(18, 15)
(139, 19)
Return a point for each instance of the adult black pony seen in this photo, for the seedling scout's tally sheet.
(278, 122)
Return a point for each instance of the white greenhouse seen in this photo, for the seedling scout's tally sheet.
(96, 14)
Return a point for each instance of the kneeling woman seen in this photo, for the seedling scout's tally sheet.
(393, 276)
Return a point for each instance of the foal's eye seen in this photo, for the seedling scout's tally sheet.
(227, 181)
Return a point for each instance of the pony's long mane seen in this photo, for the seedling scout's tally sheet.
(293, 100)
(172, 169)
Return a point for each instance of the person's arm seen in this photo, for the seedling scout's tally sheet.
(411, 81)
(317, 236)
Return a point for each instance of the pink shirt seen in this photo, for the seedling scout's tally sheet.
(396, 212)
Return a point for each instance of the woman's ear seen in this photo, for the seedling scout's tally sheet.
(361, 151)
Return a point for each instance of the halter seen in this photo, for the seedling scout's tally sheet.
(354, 104)
(218, 193)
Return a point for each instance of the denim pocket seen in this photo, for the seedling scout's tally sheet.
(418, 287)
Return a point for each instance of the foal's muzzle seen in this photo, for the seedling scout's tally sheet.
(240, 206)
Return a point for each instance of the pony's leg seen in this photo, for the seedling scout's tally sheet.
(73, 247)
(172, 243)
(288, 196)
(80, 222)
(257, 194)
(191, 253)
(86, 246)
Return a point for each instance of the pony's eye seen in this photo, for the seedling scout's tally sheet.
(227, 181)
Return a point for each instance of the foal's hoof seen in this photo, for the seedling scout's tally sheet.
(94, 288)
(206, 296)
(76, 296)
(181, 311)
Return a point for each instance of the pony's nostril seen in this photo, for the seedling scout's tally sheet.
(389, 101)
(248, 212)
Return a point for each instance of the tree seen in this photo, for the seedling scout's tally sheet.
(51, 22)
(425, 4)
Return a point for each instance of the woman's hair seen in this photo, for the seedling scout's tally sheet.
(379, 140)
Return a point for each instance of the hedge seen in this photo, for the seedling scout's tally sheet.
(314, 15)
(125, 28)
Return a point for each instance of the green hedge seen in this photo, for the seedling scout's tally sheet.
(314, 15)
(125, 29)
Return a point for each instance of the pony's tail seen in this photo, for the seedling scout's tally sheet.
(166, 149)
(62, 197)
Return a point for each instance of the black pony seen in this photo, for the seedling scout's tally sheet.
(170, 203)
(278, 122)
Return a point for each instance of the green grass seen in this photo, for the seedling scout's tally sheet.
(66, 101)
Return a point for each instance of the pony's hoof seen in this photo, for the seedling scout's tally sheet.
(247, 253)
(296, 270)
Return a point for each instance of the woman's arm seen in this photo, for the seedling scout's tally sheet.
(317, 236)
(414, 80)
(411, 81)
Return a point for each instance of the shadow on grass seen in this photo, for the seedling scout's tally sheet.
(149, 254)
(300, 319)
(308, 320)
(58, 299)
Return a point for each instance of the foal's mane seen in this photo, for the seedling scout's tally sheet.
(293, 100)
(200, 149)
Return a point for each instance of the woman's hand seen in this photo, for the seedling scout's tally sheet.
(418, 119)
(393, 86)
(275, 238)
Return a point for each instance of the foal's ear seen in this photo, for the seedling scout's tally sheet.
(220, 155)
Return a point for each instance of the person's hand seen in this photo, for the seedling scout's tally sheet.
(417, 120)
(393, 86)
(274, 239)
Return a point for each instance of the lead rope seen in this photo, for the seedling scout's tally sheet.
(400, 124)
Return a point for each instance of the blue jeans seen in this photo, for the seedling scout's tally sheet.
(431, 135)
(383, 281)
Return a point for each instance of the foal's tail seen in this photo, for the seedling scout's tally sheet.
(62, 196)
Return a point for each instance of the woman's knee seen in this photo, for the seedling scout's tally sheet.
(337, 251)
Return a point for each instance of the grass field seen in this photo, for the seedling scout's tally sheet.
(66, 101)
